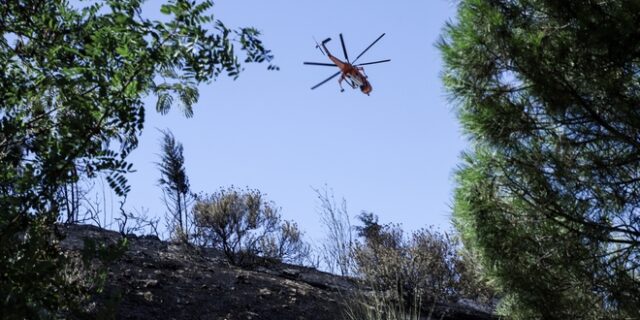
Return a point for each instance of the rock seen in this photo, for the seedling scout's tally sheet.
(149, 283)
(290, 273)
(264, 292)
(147, 296)
(242, 278)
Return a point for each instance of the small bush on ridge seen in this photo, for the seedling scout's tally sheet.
(243, 225)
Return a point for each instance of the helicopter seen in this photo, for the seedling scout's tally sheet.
(349, 71)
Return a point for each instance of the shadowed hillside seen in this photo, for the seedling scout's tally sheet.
(156, 279)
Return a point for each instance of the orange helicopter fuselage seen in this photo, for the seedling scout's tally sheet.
(352, 73)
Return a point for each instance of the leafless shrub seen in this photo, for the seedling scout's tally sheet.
(285, 244)
(337, 247)
(97, 203)
(138, 222)
(77, 204)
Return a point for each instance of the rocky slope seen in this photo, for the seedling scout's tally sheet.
(162, 280)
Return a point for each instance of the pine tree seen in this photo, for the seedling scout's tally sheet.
(549, 196)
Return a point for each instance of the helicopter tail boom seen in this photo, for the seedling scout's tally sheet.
(324, 47)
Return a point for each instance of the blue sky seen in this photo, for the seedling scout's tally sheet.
(392, 153)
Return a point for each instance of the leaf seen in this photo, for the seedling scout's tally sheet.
(166, 9)
(123, 51)
(132, 89)
(165, 100)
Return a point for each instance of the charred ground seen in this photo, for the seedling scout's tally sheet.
(154, 279)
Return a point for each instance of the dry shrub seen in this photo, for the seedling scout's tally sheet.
(243, 225)
(336, 250)
(409, 274)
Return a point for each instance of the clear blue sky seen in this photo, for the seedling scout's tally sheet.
(392, 153)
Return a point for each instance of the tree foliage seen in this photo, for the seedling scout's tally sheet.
(72, 82)
(549, 197)
(175, 186)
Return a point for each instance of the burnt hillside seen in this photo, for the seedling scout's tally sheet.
(162, 280)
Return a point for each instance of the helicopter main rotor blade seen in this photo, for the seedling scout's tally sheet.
(369, 47)
(374, 62)
(325, 81)
(344, 49)
(320, 64)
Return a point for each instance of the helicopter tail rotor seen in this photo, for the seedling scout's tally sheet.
(319, 47)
